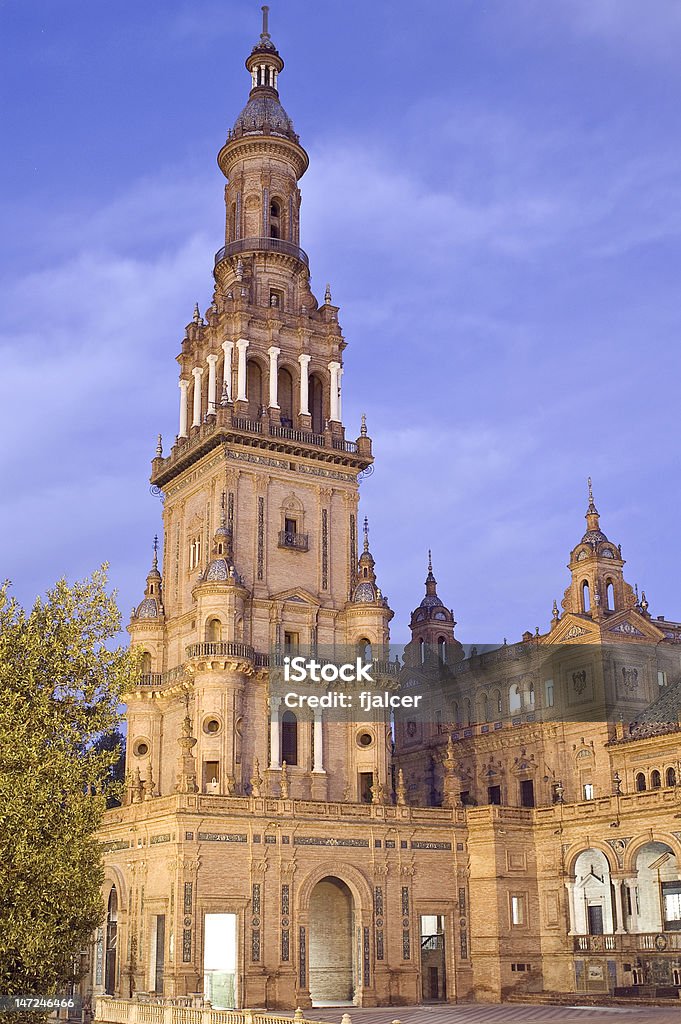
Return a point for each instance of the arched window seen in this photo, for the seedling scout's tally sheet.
(364, 649)
(316, 403)
(670, 777)
(484, 704)
(548, 693)
(610, 596)
(655, 779)
(275, 219)
(468, 712)
(146, 663)
(233, 225)
(253, 388)
(442, 649)
(514, 699)
(530, 695)
(496, 703)
(285, 397)
(289, 738)
(422, 651)
(213, 631)
(640, 782)
(586, 599)
(111, 942)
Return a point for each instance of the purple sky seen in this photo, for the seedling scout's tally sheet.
(494, 195)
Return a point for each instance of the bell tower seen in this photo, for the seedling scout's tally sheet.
(261, 493)
(597, 588)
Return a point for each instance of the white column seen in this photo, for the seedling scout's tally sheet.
(304, 385)
(227, 348)
(241, 345)
(620, 930)
(631, 886)
(211, 360)
(274, 734)
(338, 392)
(318, 765)
(333, 371)
(184, 387)
(570, 886)
(273, 353)
(197, 374)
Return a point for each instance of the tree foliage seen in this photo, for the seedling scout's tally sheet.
(60, 687)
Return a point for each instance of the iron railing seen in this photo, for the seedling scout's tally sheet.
(261, 244)
(304, 436)
(297, 541)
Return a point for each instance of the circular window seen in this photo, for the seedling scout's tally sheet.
(141, 748)
(211, 726)
(365, 739)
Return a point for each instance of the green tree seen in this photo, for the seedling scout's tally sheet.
(60, 687)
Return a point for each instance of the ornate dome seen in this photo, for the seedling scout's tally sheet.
(264, 115)
(148, 609)
(365, 593)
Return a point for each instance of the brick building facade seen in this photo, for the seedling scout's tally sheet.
(520, 834)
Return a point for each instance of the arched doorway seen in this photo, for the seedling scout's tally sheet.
(254, 389)
(658, 889)
(593, 907)
(285, 397)
(331, 945)
(111, 943)
(316, 403)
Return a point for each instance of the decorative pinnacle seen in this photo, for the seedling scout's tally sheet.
(554, 610)
(592, 507)
(430, 561)
(159, 447)
(363, 430)
(155, 559)
(265, 21)
(223, 513)
(327, 295)
(197, 315)
(366, 533)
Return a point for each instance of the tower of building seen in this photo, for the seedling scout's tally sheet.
(260, 491)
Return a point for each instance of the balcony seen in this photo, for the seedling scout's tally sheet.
(295, 541)
(302, 436)
(262, 244)
(629, 942)
(220, 649)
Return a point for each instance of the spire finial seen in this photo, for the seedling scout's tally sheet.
(265, 21)
(363, 430)
(155, 560)
(327, 295)
(197, 315)
(430, 561)
(223, 512)
(159, 447)
(592, 510)
(366, 533)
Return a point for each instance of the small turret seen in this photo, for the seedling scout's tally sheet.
(432, 624)
(366, 590)
(151, 607)
(598, 587)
